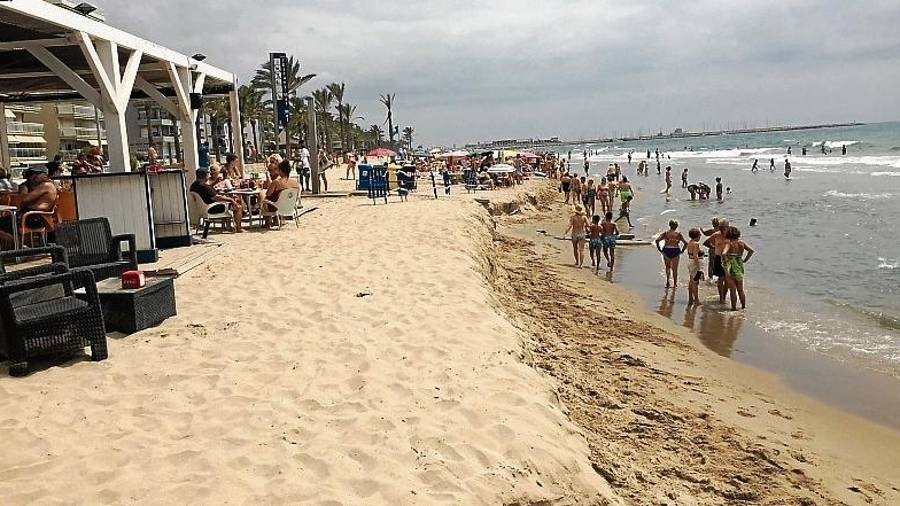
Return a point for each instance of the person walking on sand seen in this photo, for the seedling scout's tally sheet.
(717, 242)
(733, 262)
(603, 196)
(671, 249)
(755, 167)
(589, 198)
(609, 234)
(695, 266)
(684, 178)
(771, 165)
(595, 242)
(787, 168)
(578, 225)
(576, 189)
(565, 185)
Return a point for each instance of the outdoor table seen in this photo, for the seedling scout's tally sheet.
(12, 210)
(247, 195)
(131, 311)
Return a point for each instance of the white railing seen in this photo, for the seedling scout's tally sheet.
(75, 110)
(18, 127)
(27, 153)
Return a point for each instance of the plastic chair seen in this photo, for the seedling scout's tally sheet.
(50, 219)
(286, 206)
(209, 213)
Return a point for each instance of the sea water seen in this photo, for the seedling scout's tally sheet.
(826, 271)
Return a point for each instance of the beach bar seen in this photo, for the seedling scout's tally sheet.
(53, 54)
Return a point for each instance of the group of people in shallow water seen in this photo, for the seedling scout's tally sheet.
(723, 247)
(727, 256)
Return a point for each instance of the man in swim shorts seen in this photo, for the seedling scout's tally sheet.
(717, 243)
(609, 234)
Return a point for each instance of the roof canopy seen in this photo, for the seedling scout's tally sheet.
(30, 29)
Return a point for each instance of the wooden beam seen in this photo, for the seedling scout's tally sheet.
(107, 89)
(199, 81)
(128, 77)
(181, 90)
(62, 71)
(19, 45)
(152, 92)
(69, 20)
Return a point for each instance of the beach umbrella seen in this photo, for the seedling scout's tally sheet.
(502, 168)
(381, 152)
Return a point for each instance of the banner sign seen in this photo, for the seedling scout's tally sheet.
(280, 89)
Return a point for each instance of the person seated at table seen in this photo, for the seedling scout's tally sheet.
(95, 161)
(218, 180)
(281, 180)
(81, 165)
(6, 184)
(38, 194)
(232, 170)
(209, 196)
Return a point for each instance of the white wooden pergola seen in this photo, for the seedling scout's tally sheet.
(49, 53)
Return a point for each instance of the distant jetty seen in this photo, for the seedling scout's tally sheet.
(676, 134)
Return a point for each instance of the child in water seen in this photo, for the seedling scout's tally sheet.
(695, 266)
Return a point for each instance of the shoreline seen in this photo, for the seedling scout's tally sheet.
(661, 374)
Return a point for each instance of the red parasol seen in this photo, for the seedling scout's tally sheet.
(381, 152)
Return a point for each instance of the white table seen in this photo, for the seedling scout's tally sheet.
(12, 210)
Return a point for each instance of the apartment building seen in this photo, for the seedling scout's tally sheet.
(26, 134)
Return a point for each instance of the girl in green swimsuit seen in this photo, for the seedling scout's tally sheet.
(733, 260)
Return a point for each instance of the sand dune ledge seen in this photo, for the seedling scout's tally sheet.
(354, 361)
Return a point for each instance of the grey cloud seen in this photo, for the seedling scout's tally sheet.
(468, 70)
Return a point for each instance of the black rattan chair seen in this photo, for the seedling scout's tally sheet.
(57, 255)
(90, 244)
(40, 315)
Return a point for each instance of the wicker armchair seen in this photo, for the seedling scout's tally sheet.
(57, 255)
(41, 315)
(90, 244)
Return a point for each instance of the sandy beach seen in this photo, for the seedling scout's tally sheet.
(422, 353)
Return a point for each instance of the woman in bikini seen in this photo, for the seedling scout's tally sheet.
(674, 245)
(579, 226)
(733, 261)
(603, 196)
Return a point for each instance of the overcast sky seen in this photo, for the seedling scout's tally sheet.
(472, 70)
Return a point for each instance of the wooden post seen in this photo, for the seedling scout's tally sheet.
(312, 143)
(5, 159)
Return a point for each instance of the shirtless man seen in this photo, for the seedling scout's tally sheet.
(38, 194)
(717, 243)
(668, 179)
(609, 234)
(672, 248)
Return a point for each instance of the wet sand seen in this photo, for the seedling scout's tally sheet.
(870, 394)
(654, 400)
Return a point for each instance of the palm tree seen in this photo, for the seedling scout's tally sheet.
(295, 79)
(377, 134)
(408, 136)
(348, 112)
(337, 91)
(388, 101)
(217, 109)
(252, 110)
(322, 100)
(263, 78)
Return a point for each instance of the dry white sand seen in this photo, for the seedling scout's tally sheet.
(353, 361)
